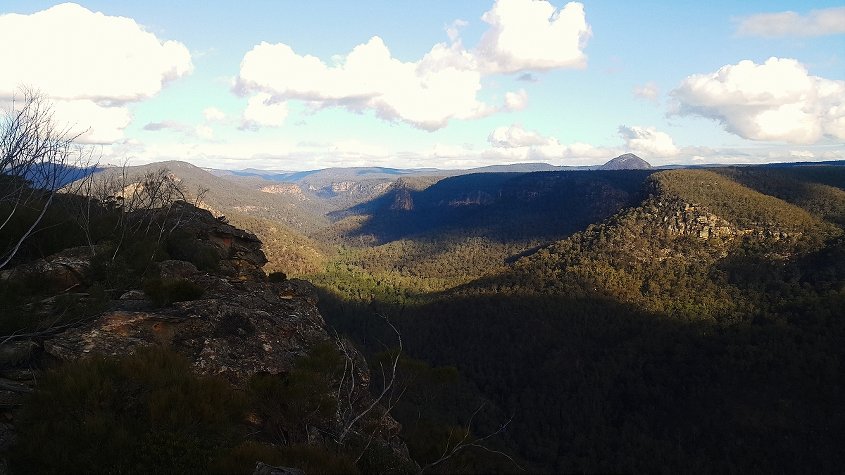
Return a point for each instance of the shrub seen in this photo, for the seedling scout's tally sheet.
(184, 246)
(289, 403)
(166, 291)
(143, 413)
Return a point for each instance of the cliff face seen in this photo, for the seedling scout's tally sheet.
(240, 326)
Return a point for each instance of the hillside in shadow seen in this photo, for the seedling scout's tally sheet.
(500, 206)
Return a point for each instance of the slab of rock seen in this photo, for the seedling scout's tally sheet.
(242, 329)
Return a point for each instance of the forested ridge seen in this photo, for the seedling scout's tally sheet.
(698, 329)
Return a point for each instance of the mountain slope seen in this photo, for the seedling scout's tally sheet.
(499, 206)
(628, 161)
(637, 344)
(281, 221)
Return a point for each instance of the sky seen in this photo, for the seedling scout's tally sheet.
(292, 85)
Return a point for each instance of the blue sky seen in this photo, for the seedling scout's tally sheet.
(436, 84)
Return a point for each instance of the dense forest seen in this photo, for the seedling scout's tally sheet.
(696, 327)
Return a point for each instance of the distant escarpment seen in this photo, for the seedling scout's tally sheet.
(201, 314)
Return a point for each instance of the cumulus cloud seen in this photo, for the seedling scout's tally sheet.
(777, 101)
(828, 21)
(213, 114)
(515, 136)
(534, 35)
(516, 144)
(426, 94)
(97, 124)
(442, 85)
(516, 101)
(453, 31)
(263, 110)
(72, 54)
(648, 91)
(648, 141)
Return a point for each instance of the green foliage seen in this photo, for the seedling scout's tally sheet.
(630, 347)
(185, 247)
(289, 403)
(142, 413)
(166, 291)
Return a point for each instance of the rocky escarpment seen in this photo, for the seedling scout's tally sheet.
(678, 218)
(243, 324)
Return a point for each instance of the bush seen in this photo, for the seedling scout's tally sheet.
(166, 291)
(288, 403)
(143, 413)
(186, 247)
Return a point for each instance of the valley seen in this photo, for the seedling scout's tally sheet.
(396, 238)
(615, 317)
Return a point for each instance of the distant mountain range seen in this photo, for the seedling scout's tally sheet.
(316, 179)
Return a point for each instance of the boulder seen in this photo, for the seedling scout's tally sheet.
(60, 272)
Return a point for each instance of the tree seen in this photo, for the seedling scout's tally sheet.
(37, 158)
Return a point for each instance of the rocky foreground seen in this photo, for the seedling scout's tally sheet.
(243, 324)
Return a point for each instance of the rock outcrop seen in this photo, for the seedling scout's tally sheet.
(61, 272)
(239, 250)
(242, 325)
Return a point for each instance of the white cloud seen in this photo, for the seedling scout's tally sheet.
(777, 100)
(534, 35)
(515, 136)
(213, 114)
(512, 144)
(442, 85)
(72, 54)
(648, 141)
(453, 31)
(426, 94)
(262, 110)
(97, 124)
(648, 91)
(828, 21)
(516, 101)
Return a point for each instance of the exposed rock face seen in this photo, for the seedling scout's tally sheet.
(60, 272)
(402, 200)
(685, 219)
(240, 250)
(285, 189)
(627, 161)
(244, 328)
